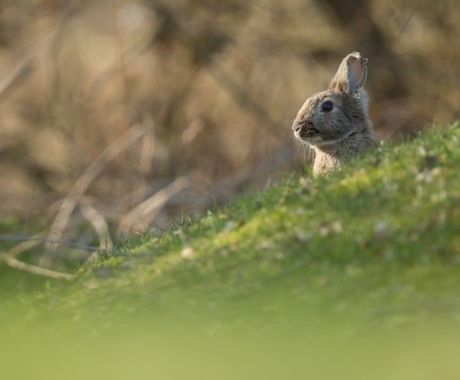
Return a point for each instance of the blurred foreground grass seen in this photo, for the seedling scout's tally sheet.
(356, 275)
(300, 356)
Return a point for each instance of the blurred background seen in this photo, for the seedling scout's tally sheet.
(121, 116)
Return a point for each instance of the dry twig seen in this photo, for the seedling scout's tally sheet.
(139, 218)
(83, 182)
(9, 258)
(17, 75)
(20, 265)
(24, 246)
(97, 220)
(23, 69)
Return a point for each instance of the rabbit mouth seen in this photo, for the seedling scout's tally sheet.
(310, 132)
(309, 135)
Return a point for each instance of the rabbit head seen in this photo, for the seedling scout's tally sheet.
(331, 116)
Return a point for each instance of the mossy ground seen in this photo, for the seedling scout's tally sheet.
(372, 248)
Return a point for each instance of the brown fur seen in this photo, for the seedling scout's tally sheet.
(341, 133)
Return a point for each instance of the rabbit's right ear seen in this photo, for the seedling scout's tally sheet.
(351, 75)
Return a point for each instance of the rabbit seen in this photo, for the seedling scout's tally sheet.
(335, 122)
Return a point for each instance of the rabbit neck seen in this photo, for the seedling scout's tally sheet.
(331, 156)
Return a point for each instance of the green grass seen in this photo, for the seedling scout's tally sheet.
(370, 250)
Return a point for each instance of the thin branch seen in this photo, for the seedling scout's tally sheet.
(33, 269)
(139, 218)
(406, 23)
(84, 181)
(97, 220)
(9, 82)
(146, 155)
(23, 69)
(24, 246)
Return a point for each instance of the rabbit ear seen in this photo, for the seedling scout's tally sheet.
(351, 75)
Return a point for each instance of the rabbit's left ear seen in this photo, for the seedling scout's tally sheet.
(351, 75)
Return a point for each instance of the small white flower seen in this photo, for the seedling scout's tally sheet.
(421, 151)
(187, 253)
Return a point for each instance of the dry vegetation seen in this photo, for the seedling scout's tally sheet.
(136, 112)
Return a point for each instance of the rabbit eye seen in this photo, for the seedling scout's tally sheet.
(327, 106)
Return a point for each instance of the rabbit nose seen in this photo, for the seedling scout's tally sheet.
(298, 125)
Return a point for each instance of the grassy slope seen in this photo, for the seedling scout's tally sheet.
(374, 246)
(382, 234)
